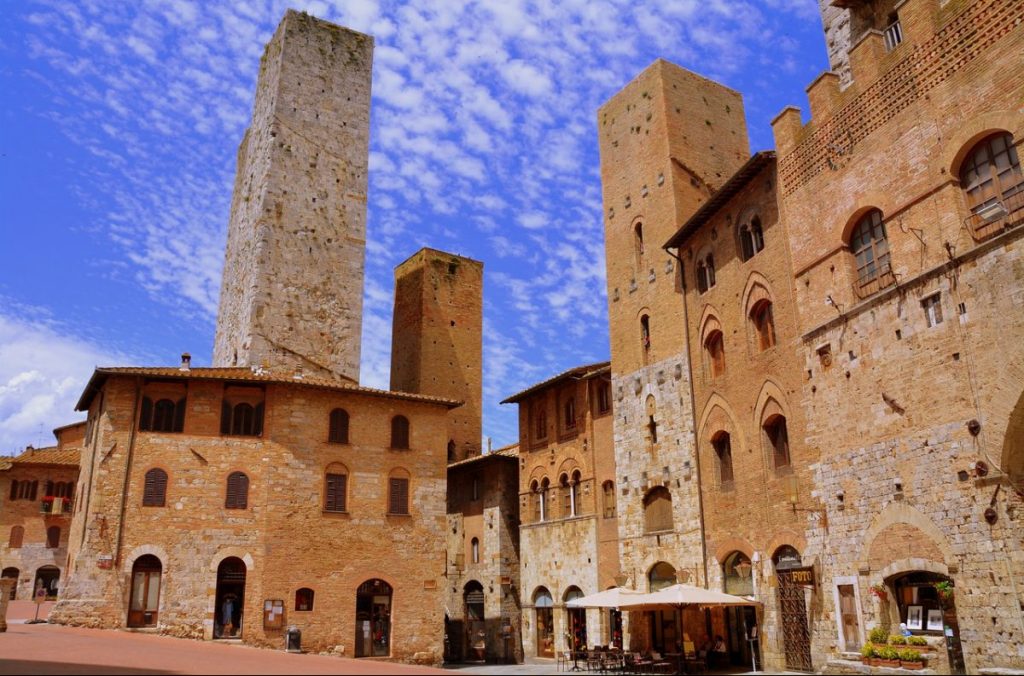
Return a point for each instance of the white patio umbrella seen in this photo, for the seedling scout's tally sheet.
(609, 598)
(679, 595)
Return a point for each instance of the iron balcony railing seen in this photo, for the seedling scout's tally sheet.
(55, 505)
(994, 217)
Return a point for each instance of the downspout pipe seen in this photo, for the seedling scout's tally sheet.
(693, 410)
(127, 472)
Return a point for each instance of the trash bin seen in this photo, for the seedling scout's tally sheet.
(293, 640)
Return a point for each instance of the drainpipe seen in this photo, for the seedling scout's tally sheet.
(693, 409)
(127, 472)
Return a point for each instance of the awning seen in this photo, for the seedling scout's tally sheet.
(609, 598)
(679, 595)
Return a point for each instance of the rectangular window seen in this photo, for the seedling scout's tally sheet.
(933, 309)
(334, 498)
(604, 397)
(398, 496)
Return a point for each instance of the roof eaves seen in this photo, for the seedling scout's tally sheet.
(585, 371)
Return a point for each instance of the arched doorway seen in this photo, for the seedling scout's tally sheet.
(796, 638)
(476, 628)
(230, 598)
(663, 628)
(12, 573)
(577, 620)
(543, 605)
(144, 604)
(925, 602)
(47, 578)
(373, 619)
(738, 580)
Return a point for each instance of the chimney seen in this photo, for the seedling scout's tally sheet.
(186, 362)
(488, 444)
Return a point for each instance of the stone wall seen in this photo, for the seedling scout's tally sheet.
(284, 536)
(292, 288)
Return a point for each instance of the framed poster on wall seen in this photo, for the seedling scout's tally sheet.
(934, 620)
(915, 618)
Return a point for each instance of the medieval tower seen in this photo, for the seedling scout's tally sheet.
(437, 334)
(668, 140)
(291, 296)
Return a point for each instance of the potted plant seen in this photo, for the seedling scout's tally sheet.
(897, 640)
(866, 653)
(911, 659)
(918, 642)
(879, 591)
(945, 592)
(878, 636)
(889, 657)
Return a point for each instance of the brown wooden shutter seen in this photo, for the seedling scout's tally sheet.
(335, 499)
(154, 492)
(398, 502)
(17, 536)
(35, 487)
(339, 426)
(53, 537)
(399, 432)
(238, 491)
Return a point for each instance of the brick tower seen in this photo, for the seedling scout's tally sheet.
(291, 296)
(668, 140)
(437, 337)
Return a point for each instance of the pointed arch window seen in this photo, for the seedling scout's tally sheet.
(638, 244)
(714, 345)
(705, 272)
(778, 440)
(764, 324)
(645, 335)
(751, 238)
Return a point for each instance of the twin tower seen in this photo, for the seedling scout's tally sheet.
(292, 291)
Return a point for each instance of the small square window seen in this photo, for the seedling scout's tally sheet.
(933, 309)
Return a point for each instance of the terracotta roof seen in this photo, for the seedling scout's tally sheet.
(736, 182)
(67, 427)
(47, 456)
(243, 374)
(587, 371)
(510, 451)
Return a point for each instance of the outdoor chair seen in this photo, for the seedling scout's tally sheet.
(563, 660)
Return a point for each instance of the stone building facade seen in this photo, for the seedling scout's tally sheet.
(292, 290)
(909, 284)
(755, 471)
(437, 344)
(568, 509)
(482, 595)
(37, 496)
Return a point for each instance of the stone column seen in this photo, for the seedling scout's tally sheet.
(6, 585)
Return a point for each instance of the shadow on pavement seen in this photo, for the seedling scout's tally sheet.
(35, 667)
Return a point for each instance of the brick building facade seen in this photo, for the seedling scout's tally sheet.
(37, 496)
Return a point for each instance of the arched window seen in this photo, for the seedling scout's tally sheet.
(645, 334)
(163, 416)
(736, 573)
(543, 605)
(608, 499)
(53, 537)
(542, 498)
(338, 429)
(660, 576)
(24, 490)
(714, 345)
(534, 501)
(569, 414)
(304, 599)
(751, 238)
(540, 419)
(400, 432)
(335, 488)
(17, 537)
(474, 547)
(705, 272)
(870, 248)
(638, 244)
(722, 444)
(778, 440)
(992, 173)
(764, 324)
(242, 419)
(237, 496)
(570, 493)
(657, 510)
(154, 489)
(398, 495)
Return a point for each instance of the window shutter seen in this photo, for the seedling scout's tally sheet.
(225, 418)
(17, 535)
(339, 426)
(335, 498)
(146, 415)
(399, 496)
(179, 416)
(53, 537)
(238, 491)
(14, 490)
(154, 492)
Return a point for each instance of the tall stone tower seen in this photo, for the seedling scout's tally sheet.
(437, 338)
(291, 296)
(668, 140)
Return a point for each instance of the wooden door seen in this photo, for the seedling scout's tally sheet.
(145, 600)
(848, 616)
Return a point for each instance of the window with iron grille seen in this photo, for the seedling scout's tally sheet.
(398, 495)
(237, 496)
(338, 433)
(335, 487)
(154, 490)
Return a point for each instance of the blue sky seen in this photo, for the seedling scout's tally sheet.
(120, 123)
